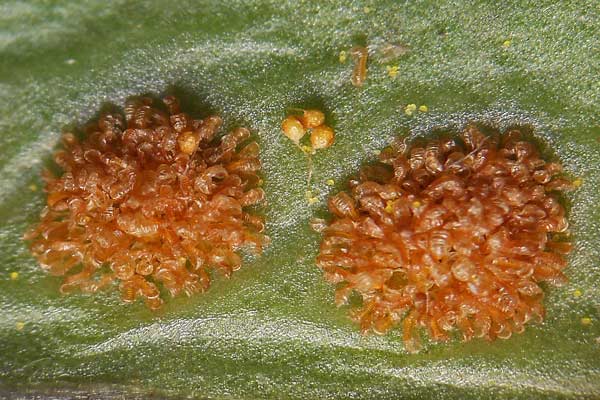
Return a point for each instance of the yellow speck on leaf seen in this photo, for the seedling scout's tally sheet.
(367, 10)
(506, 43)
(410, 109)
(577, 293)
(310, 197)
(19, 326)
(14, 275)
(330, 182)
(33, 187)
(392, 70)
(260, 182)
(416, 204)
(343, 56)
(423, 108)
(577, 182)
(307, 149)
(586, 321)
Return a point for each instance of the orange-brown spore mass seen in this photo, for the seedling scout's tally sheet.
(149, 200)
(449, 236)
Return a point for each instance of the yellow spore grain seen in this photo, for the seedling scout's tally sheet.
(392, 70)
(410, 109)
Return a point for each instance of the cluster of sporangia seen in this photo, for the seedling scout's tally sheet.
(448, 236)
(150, 200)
(295, 127)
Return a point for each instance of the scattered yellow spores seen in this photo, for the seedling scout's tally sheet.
(416, 204)
(330, 182)
(577, 293)
(33, 187)
(19, 326)
(14, 275)
(343, 56)
(506, 44)
(306, 149)
(423, 108)
(577, 182)
(410, 109)
(586, 321)
(311, 198)
(392, 70)
(367, 10)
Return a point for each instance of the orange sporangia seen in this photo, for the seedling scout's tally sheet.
(448, 235)
(153, 200)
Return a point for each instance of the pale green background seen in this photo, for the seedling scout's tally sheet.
(272, 330)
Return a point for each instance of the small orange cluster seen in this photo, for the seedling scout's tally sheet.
(321, 135)
(150, 200)
(449, 236)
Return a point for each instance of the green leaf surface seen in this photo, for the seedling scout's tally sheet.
(272, 330)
